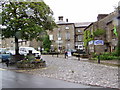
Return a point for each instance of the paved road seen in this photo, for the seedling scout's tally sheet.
(72, 70)
(12, 79)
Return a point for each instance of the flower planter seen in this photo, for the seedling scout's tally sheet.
(34, 64)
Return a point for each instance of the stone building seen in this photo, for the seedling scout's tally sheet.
(62, 37)
(67, 35)
(9, 43)
(109, 40)
(79, 34)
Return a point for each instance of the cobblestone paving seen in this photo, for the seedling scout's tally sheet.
(72, 70)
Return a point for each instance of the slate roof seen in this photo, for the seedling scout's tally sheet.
(82, 24)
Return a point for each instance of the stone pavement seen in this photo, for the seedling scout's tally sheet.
(72, 70)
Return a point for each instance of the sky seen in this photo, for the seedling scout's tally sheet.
(81, 10)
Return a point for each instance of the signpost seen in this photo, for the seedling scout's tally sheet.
(97, 43)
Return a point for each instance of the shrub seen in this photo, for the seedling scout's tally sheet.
(114, 54)
(44, 52)
(47, 49)
(107, 56)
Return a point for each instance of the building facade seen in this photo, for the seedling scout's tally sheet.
(9, 43)
(67, 35)
(62, 37)
(108, 39)
(79, 34)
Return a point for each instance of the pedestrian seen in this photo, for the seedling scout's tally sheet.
(7, 63)
(66, 54)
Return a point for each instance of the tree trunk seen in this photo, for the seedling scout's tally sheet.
(16, 46)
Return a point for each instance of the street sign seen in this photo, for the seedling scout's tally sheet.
(98, 42)
(91, 42)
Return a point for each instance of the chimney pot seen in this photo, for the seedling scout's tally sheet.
(60, 18)
(66, 20)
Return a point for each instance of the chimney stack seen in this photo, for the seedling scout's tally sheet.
(66, 20)
(60, 18)
(101, 16)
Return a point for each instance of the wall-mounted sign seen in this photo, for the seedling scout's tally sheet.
(91, 42)
(59, 41)
(98, 42)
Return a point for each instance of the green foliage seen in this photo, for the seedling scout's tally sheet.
(15, 17)
(47, 49)
(99, 32)
(87, 37)
(26, 20)
(45, 52)
(46, 43)
(107, 56)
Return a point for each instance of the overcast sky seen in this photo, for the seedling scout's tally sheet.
(81, 10)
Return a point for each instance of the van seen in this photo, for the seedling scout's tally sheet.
(80, 47)
(25, 51)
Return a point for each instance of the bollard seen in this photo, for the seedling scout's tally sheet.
(98, 59)
(78, 57)
(52, 54)
(57, 54)
(65, 56)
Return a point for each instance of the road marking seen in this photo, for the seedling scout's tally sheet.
(1, 69)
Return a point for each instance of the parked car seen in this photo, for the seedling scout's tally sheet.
(4, 55)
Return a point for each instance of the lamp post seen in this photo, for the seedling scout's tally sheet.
(1, 27)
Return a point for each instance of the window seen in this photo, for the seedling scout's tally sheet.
(67, 35)
(79, 43)
(80, 31)
(59, 35)
(51, 37)
(80, 37)
(11, 41)
(26, 42)
(67, 46)
(66, 27)
(80, 47)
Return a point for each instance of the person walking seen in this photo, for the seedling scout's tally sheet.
(66, 54)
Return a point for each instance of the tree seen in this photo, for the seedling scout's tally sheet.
(26, 20)
(46, 43)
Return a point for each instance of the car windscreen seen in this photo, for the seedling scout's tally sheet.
(32, 49)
